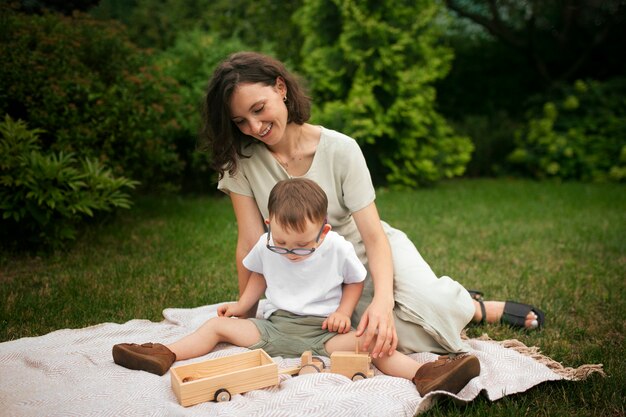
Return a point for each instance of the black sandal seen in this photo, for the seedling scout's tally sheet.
(476, 295)
(483, 311)
(515, 314)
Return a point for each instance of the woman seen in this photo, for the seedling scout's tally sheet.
(255, 122)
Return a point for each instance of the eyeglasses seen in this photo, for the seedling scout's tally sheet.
(295, 251)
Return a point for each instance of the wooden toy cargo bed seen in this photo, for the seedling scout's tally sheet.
(219, 379)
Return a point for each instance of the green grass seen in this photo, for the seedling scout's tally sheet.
(559, 246)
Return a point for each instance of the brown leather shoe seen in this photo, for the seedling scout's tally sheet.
(149, 357)
(447, 373)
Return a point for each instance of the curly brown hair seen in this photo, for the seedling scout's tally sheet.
(219, 134)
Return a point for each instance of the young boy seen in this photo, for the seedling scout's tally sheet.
(312, 279)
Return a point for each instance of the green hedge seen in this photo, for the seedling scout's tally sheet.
(372, 68)
(44, 196)
(190, 62)
(93, 93)
(579, 135)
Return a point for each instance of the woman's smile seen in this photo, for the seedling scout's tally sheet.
(267, 130)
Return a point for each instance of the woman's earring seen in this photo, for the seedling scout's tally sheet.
(285, 98)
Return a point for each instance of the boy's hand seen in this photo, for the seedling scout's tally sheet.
(229, 310)
(337, 322)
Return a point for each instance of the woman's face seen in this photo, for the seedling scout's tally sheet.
(258, 110)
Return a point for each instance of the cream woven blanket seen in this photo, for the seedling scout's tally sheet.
(71, 373)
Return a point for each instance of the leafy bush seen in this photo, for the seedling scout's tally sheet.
(92, 92)
(580, 135)
(191, 61)
(160, 23)
(372, 67)
(45, 196)
(493, 139)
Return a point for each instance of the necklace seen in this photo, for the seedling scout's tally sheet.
(292, 158)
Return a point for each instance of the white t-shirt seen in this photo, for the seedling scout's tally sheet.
(312, 286)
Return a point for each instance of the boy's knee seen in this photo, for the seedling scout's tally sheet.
(214, 324)
(220, 322)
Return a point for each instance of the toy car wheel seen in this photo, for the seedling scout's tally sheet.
(319, 362)
(358, 376)
(309, 369)
(222, 395)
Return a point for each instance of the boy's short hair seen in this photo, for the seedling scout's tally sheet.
(294, 201)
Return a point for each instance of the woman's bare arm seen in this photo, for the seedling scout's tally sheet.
(249, 228)
(377, 321)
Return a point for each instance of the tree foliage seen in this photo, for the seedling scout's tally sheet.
(578, 135)
(257, 24)
(372, 66)
(66, 7)
(378, 71)
(509, 53)
(92, 92)
(561, 40)
(190, 61)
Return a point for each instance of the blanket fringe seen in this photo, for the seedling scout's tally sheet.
(572, 374)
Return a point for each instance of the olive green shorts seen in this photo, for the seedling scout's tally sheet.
(289, 335)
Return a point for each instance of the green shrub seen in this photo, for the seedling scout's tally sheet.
(160, 23)
(190, 62)
(45, 196)
(580, 135)
(493, 137)
(92, 92)
(372, 66)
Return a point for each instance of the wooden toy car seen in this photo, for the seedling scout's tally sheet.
(221, 378)
(353, 365)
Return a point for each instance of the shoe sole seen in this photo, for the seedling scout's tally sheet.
(450, 382)
(130, 359)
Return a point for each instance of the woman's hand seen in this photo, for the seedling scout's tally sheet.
(337, 322)
(378, 327)
(377, 321)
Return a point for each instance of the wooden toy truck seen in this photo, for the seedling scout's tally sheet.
(221, 378)
(353, 365)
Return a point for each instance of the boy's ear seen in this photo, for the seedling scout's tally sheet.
(327, 228)
(267, 221)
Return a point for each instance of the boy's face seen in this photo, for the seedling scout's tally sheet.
(285, 238)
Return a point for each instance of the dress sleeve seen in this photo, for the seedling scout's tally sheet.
(356, 185)
(237, 183)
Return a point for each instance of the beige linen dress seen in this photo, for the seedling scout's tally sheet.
(430, 312)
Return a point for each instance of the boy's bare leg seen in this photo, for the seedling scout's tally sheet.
(239, 332)
(398, 365)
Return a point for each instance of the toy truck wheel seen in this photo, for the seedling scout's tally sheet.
(309, 369)
(319, 362)
(359, 376)
(222, 395)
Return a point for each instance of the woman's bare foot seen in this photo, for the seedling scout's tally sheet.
(494, 311)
